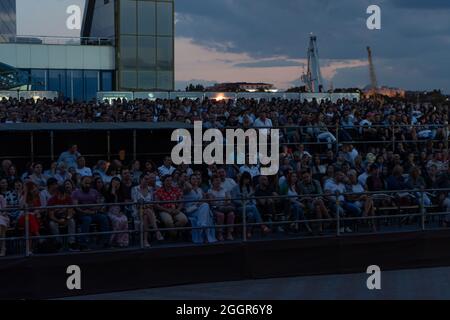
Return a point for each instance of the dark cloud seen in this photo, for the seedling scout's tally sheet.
(269, 64)
(411, 37)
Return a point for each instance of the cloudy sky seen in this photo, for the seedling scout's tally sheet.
(266, 40)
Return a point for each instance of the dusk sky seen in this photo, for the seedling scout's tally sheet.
(266, 40)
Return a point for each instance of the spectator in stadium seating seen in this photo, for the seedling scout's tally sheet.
(69, 186)
(267, 206)
(166, 169)
(170, 213)
(11, 176)
(144, 194)
(294, 203)
(30, 201)
(358, 198)
(12, 198)
(100, 186)
(222, 208)
(81, 168)
(226, 183)
(102, 171)
(245, 190)
(86, 195)
(50, 191)
(415, 181)
(4, 188)
(118, 219)
(136, 171)
(62, 217)
(4, 224)
(69, 157)
(5, 166)
(335, 189)
(38, 178)
(315, 202)
(50, 173)
(199, 212)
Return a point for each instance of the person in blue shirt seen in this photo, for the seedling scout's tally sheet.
(69, 157)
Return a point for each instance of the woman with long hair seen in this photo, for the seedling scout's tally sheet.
(199, 212)
(30, 199)
(222, 208)
(143, 193)
(294, 205)
(118, 219)
(245, 190)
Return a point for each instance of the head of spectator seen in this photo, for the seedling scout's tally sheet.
(86, 184)
(69, 186)
(73, 149)
(81, 162)
(52, 186)
(5, 166)
(3, 186)
(37, 169)
(167, 182)
(99, 185)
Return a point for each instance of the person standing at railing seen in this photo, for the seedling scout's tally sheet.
(199, 212)
(86, 195)
(170, 213)
(63, 217)
(4, 224)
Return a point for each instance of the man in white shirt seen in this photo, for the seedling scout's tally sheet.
(81, 169)
(227, 183)
(263, 122)
(166, 169)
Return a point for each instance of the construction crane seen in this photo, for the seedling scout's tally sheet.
(313, 77)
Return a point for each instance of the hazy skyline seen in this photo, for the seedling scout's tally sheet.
(236, 40)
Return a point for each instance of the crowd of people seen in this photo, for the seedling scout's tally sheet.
(326, 170)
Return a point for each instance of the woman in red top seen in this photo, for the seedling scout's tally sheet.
(30, 199)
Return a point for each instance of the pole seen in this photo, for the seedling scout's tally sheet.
(108, 139)
(338, 218)
(141, 225)
(27, 235)
(52, 145)
(134, 144)
(32, 146)
(422, 208)
(244, 219)
(393, 138)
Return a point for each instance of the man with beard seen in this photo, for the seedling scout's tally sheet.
(88, 215)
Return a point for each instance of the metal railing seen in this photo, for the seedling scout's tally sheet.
(58, 40)
(337, 220)
(391, 141)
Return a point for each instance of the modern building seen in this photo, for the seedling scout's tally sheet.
(7, 20)
(242, 87)
(124, 45)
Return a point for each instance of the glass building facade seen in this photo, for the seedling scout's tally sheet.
(145, 45)
(7, 20)
(76, 85)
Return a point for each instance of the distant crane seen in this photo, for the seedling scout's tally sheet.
(313, 77)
